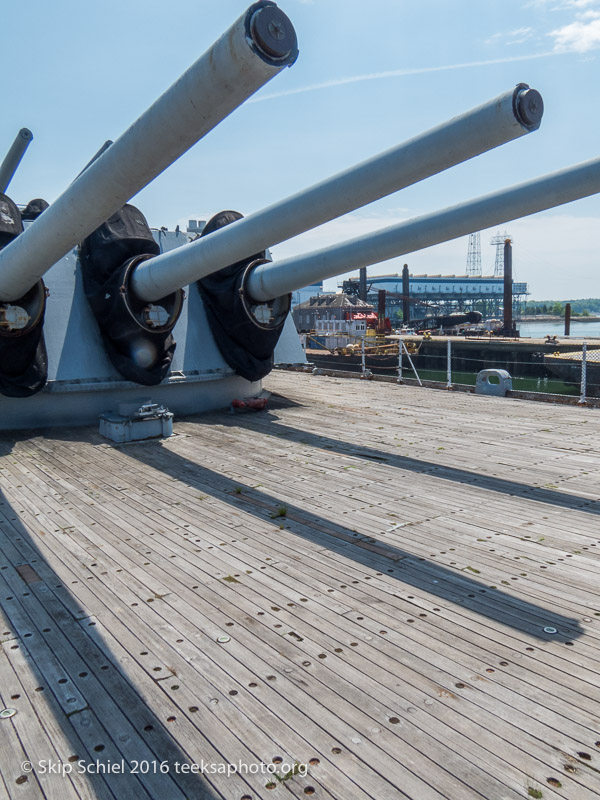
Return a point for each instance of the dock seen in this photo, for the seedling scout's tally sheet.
(366, 592)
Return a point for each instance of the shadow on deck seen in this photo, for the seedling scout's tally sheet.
(435, 579)
(59, 672)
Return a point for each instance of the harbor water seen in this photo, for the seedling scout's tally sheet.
(579, 330)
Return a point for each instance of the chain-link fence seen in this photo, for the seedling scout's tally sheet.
(566, 368)
(533, 366)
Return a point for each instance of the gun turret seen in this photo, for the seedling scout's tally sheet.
(513, 114)
(117, 306)
(255, 49)
(13, 157)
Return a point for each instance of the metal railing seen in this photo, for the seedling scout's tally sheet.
(566, 369)
(569, 370)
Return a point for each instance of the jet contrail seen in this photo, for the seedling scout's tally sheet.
(395, 73)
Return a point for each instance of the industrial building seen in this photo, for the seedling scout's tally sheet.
(440, 293)
(301, 295)
(328, 307)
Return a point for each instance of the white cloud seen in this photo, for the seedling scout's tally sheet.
(582, 33)
(518, 36)
(561, 5)
(583, 3)
(520, 39)
(579, 36)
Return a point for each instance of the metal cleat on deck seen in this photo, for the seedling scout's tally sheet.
(494, 382)
(148, 421)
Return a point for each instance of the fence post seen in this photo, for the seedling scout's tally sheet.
(400, 347)
(362, 352)
(582, 399)
(449, 365)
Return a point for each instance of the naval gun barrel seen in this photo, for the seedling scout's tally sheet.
(256, 48)
(268, 281)
(13, 157)
(509, 116)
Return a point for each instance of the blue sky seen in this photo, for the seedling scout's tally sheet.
(369, 75)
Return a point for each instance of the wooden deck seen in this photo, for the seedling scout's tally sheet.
(356, 581)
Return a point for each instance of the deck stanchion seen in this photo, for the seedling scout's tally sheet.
(412, 366)
(400, 346)
(362, 356)
(449, 365)
(582, 398)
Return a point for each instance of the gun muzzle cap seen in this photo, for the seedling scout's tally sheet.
(273, 32)
(530, 107)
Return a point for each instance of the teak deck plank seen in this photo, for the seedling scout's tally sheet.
(362, 546)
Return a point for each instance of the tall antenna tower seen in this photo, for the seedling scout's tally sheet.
(474, 256)
(499, 240)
